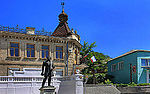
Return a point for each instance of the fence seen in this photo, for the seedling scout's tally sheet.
(22, 79)
(17, 29)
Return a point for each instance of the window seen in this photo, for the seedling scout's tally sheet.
(120, 65)
(145, 62)
(113, 67)
(14, 49)
(59, 72)
(11, 71)
(45, 51)
(59, 52)
(30, 50)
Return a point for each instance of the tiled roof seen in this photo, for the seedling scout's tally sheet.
(62, 30)
(132, 51)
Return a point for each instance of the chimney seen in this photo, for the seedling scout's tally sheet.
(30, 30)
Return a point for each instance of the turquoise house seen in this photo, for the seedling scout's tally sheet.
(133, 66)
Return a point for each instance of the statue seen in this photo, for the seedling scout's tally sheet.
(47, 71)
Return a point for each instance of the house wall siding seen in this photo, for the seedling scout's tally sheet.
(123, 76)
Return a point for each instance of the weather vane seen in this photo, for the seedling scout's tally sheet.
(62, 3)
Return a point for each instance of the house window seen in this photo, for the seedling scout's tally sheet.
(59, 52)
(30, 50)
(113, 67)
(145, 62)
(14, 49)
(45, 51)
(120, 65)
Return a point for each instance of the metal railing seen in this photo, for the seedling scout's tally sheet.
(34, 79)
(17, 29)
(20, 79)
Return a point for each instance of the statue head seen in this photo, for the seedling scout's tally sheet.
(48, 58)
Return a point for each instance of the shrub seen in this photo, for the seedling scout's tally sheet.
(108, 82)
(132, 84)
(121, 85)
(144, 84)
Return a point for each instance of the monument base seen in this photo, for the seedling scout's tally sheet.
(47, 90)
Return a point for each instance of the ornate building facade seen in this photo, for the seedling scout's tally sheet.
(29, 50)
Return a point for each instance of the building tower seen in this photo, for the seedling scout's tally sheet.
(63, 31)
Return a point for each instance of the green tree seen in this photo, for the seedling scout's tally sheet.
(92, 68)
(86, 49)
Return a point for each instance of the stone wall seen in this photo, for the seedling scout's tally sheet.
(134, 90)
(72, 86)
(31, 85)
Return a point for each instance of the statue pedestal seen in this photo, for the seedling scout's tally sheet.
(47, 90)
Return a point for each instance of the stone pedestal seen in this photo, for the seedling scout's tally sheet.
(47, 90)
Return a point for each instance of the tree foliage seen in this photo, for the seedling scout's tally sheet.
(101, 59)
(92, 68)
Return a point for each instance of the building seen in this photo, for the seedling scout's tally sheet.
(133, 66)
(28, 48)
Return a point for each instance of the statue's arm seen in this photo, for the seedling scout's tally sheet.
(53, 66)
(42, 69)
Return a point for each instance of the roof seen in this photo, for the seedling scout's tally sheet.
(130, 52)
(62, 30)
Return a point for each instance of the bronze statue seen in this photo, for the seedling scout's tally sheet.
(47, 71)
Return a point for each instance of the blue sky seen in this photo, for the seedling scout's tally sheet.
(117, 26)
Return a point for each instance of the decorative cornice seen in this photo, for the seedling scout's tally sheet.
(20, 36)
(4, 62)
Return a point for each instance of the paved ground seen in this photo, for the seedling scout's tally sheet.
(101, 89)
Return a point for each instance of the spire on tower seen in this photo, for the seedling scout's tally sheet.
(62, 29)
(63, 17)
(63, 4)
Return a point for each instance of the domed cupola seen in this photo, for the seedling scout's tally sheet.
(63, 17)
(62, 29)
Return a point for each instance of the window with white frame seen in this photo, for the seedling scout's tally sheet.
(59, 72)
(145, 62)
(113, 67)
(120, 65)
(11, 71)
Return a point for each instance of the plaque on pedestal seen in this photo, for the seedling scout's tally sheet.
(47, 90)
